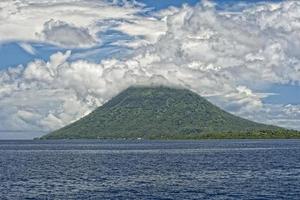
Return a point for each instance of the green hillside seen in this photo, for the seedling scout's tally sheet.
(163, 113)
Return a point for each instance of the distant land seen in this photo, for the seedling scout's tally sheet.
(165, 113)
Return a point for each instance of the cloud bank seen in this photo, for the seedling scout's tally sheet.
(225, 56)
(72, 23)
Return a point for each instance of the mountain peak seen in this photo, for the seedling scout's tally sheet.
(156, 112)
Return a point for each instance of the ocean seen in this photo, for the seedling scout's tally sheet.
(138, 169)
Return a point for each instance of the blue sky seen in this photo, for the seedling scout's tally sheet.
(287, 94)
(123, 41)
(166, 3)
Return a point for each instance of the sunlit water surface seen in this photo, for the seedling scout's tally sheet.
(213, 169)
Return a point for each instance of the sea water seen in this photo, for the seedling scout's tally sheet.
(95, 169)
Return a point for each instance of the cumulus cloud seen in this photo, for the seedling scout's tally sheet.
(223, 56)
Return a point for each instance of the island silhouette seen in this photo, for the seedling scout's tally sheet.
(159, 112)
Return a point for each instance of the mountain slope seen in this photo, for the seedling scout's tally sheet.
(156, 112)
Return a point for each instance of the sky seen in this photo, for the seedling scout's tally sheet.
(59, 60)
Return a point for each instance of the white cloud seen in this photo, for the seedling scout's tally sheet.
(147, 30)
(28, 48)
(223, 56)
(72, 23)
(67, 35)
(282, 115)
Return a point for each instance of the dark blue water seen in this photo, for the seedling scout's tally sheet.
(228, 169)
